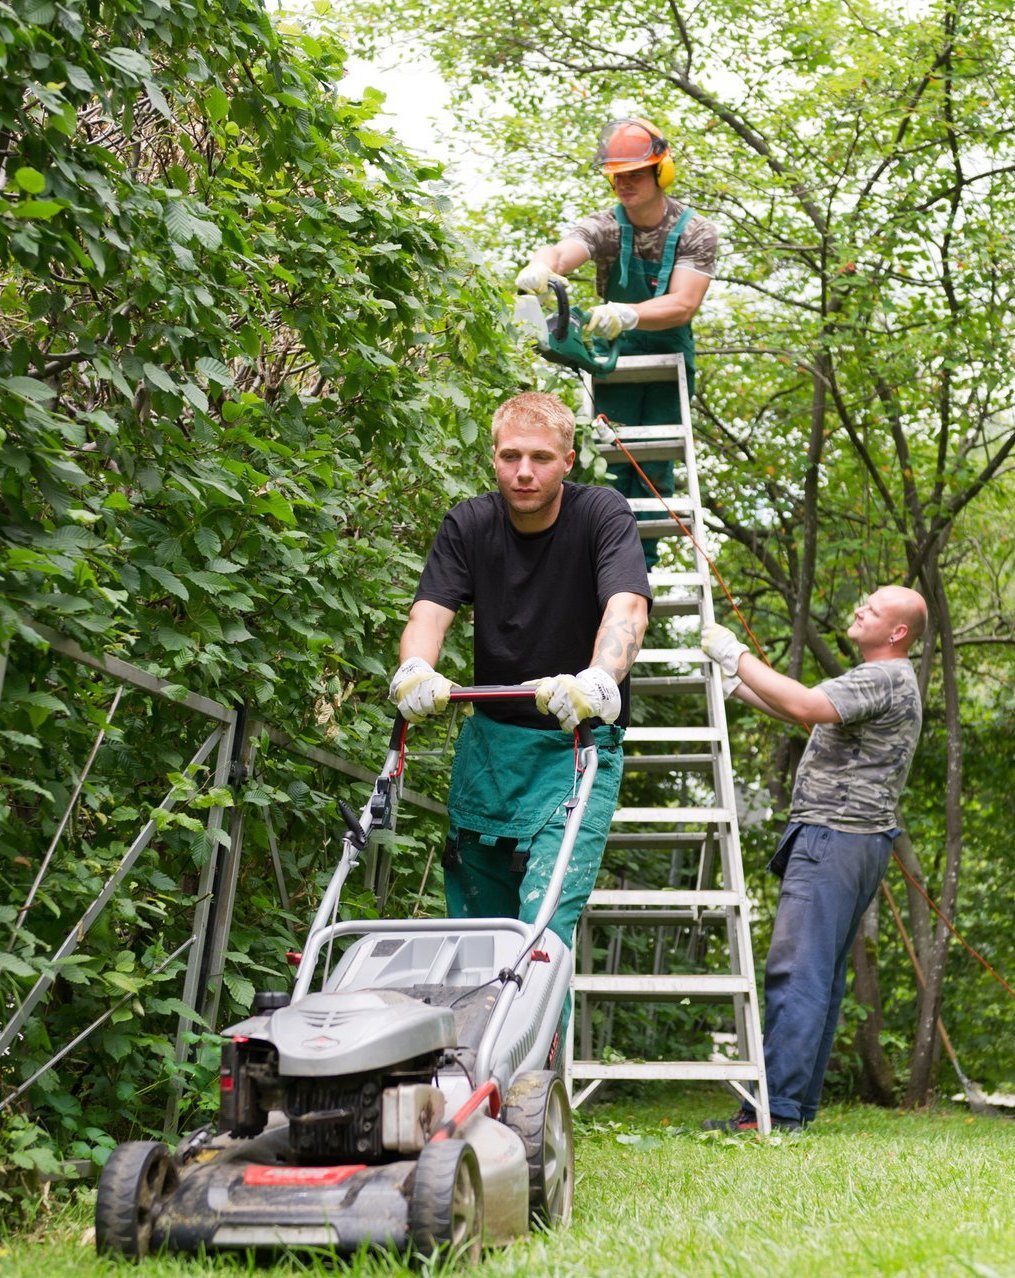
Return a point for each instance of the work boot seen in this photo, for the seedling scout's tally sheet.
(746, 1120)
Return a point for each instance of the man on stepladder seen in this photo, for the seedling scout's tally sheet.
(554, 575)
(655, 258)
(843, 821)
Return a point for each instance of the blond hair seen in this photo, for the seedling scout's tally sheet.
(536, 408)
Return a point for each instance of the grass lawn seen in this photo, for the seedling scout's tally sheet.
(862, 1192)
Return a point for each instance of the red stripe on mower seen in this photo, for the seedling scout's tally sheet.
(256, 1174)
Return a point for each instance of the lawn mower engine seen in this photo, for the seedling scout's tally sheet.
(298, 1060)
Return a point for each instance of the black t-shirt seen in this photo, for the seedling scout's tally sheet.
(538, 598)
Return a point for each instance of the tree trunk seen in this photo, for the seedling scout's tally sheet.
(877, 1078)
(921, 1081)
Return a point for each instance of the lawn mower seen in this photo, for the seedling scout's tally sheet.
(560, 337)
(412, 1100)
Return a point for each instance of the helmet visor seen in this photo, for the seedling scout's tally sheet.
(626, 145)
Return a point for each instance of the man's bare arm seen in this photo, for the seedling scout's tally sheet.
(562, 257)
(744, 694)
(787, 697)
(618, 640)
(678, 305)
(424, 632)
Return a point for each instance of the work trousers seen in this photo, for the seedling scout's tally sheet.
(829, 879)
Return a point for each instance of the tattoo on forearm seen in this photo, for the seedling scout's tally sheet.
(617, 642)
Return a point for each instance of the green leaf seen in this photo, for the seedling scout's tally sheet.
(207, 541)
(179, 222)
(216, 104)
(17, 967)
(39, 210)
(158, 99)
(240, 989)
(158, 377)
(128, 60)
(206, 232)
(167, 580)
(30, 180)
(29, 388)
(195, 395)
(274, 504)
(215, 370)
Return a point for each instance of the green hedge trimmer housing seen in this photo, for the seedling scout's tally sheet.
(560, 338)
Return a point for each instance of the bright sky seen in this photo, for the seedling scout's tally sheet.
(416, 113)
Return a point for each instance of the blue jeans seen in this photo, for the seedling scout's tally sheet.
(829, 878)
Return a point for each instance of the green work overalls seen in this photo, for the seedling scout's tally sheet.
(506, 808)
(637, 279)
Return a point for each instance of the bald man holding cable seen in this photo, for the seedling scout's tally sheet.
(836, 846)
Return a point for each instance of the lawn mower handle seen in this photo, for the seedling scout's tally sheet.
(490, 692)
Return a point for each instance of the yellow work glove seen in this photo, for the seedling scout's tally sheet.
(535, 278)
(722, 646)
(611, 319)
(590, 694)
(418, 690)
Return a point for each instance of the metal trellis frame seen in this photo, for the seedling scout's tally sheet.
(233, 739)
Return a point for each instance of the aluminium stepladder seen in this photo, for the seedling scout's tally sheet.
(641, 938)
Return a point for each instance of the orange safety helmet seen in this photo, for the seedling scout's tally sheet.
(625, 145)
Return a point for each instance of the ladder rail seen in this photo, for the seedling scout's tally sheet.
(678, 919)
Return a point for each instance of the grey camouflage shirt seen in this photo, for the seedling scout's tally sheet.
(852, 773)
(600, 234)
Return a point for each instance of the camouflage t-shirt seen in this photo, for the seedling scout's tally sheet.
(600, 234)
(852, 773)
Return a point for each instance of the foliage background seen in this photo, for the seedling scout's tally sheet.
(245, 362)
(246, 359)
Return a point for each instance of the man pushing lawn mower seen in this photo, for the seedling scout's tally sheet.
(655, 258)
(406, 1092)
(556, 578)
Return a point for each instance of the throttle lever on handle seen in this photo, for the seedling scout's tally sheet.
(356, 831)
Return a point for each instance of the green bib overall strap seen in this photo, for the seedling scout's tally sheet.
(670, 251)
(626, 255)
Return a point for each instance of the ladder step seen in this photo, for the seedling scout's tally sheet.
(715, 1071)
(651, 434)
(643, 368)
(643, 450)
(654, 839)
(713, 899)
(659, 577)
(658, 918)
(657, 529)
(672, 816)
(676, 606)
(673, 734)
(659, 988)
(672, 657)
(668, 685)
(653, 506)
(667, 763)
